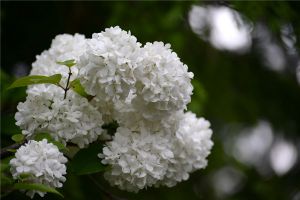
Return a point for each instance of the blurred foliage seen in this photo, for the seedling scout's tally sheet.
(229, 88)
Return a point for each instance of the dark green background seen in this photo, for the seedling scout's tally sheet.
(230, 89)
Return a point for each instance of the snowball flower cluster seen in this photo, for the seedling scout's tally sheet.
(163, 157)
(144, 88)
(150, 81)
(72, 119)
(138, 160)
(191, 146)
(41, 162)
(63, 47)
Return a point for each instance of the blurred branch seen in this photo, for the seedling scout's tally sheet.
(6, 151)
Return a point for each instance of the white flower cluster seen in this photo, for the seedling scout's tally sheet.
(149, 87)
(145, 89)
(138, 159)
(42, 162)
(72, 119)
(150, 82)
(144, 158)
(64, 47)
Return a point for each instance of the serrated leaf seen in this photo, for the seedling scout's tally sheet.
(86, 161)
(18, 137)
(36, 79)
(78, 88)
(41, 136)
(36, 186)
(68, 63)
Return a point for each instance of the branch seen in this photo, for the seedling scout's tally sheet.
(5, 152)
(106, 193)
(68, 82)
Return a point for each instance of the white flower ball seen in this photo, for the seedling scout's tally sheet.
(137, 159)
(191, 146)
(72, 119)
(43, 162)
(106, 68)
(162, 154)
(64, 47)
(163, 86)
(164, 82)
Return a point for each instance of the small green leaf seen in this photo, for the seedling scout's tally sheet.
(38, 187)
(24, 176)
(36, 79)
(59, 145)
(18, 137)
(78, 88)
(4, 163)
(68, 63)
(86, 161)
(41, 136)
(12, 150)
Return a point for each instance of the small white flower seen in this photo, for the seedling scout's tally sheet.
(42, 161)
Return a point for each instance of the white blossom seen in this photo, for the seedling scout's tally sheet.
(64, 47)
(144, 88)
(191, 146)
(163, 87)
(106, 68)
(163, 82)
(72, 119)
(164, 156)
(42, 162)
(138, 159)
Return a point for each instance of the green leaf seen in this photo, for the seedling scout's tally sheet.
(36, 79)
(78, 88)
(4, 163)
(24, 176)
(6, 180)
(41, 136)
(68, 63)
(12, 150)
(36, 186)
(18, 137)
(86, 161)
